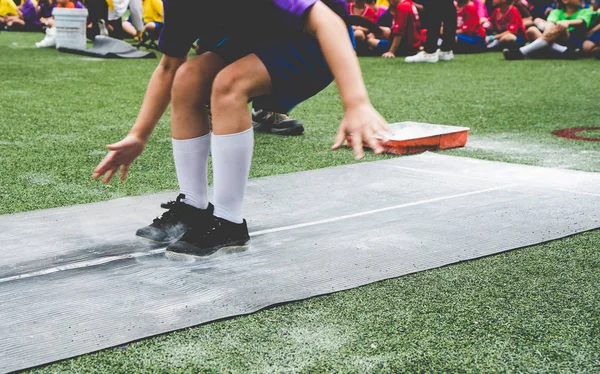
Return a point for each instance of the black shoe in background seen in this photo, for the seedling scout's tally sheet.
(204, 240)
(275, 123)
(571, 54)
(175, 222)
(513, 54)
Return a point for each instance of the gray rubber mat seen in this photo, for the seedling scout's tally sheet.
(74, 280)
(107, 47)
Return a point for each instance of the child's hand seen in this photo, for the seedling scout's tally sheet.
(363, 124)
(388, 55)
(121, 154)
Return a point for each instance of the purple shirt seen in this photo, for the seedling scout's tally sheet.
(79, 5)
(30, 14)
(250, 20)
(46, 10)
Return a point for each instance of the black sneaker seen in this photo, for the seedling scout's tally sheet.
(513, 54)
(204, 240)
(571, 54)
(175, 222)
(275, 123)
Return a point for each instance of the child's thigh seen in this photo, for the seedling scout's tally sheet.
(297, 69)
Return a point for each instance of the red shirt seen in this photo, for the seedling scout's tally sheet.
(468, 21)
(406, 23)
(368, 13)
(511, 21)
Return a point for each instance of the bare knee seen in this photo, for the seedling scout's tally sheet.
(359, 35)
(533, 33)
(508, 38)
(229, 87)
(149, 27)
(190, 86)
(589, 47)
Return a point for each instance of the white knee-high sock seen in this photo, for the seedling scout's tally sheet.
(558, 48)
(535, 45)
(191, 164)
(231, 158)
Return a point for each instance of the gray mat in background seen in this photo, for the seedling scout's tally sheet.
(74, 280)
(107, 47)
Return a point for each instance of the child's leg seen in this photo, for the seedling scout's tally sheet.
(533, 33)
(359, 35)
(507, 38)
(129, 29)
(149, 27)
(551, 34)
(190, 126)
(590, 47)
(233, 138)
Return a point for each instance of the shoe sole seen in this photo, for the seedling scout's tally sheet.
(229, 248)
(143, 239)
(293, 131)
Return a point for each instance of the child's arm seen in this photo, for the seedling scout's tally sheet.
(156, 100)
(361, 120)
(396, 41)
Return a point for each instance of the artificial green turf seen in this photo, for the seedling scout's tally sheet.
(533, 310)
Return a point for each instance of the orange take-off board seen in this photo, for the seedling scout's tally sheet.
(415, 137)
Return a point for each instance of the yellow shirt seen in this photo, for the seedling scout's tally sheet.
(8, 8)
(153, 11)
(383, 3)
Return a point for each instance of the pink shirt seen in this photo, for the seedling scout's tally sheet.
(481, 9)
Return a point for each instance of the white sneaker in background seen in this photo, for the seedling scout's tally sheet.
(423, 57)
(49, 40)
(445, 56)
(102, 27)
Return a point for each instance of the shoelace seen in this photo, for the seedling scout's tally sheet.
(172, 207)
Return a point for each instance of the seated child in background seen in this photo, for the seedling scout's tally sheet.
(361, 9)
(482, 13)
(377, 8)
(592, 43)
(47, 19)
(523, 8)
(564, 32)
(507, 26)
(470, 35)
(153, 20)
(45, 8)
(8, 8)
(406, 34)
(27, 18)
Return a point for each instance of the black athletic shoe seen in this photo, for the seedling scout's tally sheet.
(513, 54)
(175, 222)
(275, 123)
(571, 54)
(204, 240)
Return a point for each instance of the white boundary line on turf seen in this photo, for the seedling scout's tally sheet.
(104, 260)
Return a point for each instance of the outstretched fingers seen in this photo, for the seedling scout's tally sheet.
(124, 170)
(357, 145)
(340, 137)
(110, 174)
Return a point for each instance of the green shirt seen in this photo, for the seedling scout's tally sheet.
(583, 14)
